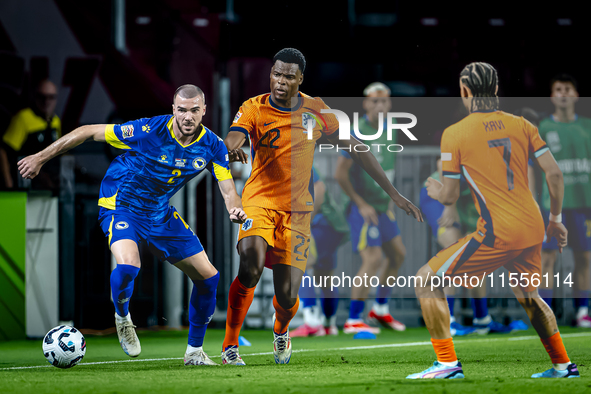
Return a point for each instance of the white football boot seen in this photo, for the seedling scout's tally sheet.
(198, 357)
(281, 346)
(128, 339)
(230, 356)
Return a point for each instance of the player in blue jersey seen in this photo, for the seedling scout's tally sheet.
(162, 154)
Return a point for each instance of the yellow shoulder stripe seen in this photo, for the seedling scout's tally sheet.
(221, 173)
(108, 202)
(112, 138)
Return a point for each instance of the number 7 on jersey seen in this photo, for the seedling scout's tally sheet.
(506, 144)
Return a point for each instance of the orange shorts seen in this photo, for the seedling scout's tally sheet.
(286, 233)
(469, 256)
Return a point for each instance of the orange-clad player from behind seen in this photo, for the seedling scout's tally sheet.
(278, 196)
(491, 149)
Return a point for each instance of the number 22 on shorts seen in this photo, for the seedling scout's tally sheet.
(297, 247)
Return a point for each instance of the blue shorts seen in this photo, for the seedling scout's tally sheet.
(170, 239)
(432, 210)
(327, 240)
(366, 234)
(578, 224)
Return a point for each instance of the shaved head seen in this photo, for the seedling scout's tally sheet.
(47, 86)
(187, 92)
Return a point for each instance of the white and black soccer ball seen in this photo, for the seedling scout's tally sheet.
(64, 346)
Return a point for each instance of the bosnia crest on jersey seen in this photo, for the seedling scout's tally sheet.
(199, 163)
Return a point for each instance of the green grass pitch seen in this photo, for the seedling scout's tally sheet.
(493, 363)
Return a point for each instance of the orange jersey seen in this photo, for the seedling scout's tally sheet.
(491, 150)
(282, 155)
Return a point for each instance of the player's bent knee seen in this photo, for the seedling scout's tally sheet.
(285, 299)
(424, 276)
(251, 268)
(126, 252)
(371, 262)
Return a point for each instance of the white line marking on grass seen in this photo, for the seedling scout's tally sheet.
(389, 345)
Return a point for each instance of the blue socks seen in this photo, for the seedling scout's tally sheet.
(356, 309)
(546, 295)
(382, 294)
(307, 292)
(122, 287)
(329, 302)
(582, 299)
(201, 308)
(479, 307)
(450, 303)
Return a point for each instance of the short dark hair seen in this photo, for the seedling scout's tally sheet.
(188, 91)
(291, 55)
(564, 77)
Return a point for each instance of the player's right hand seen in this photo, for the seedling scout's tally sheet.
(558, 231)
(369, 214)
(237, 215)
(408, 207)
(29, 166)
(238, 155)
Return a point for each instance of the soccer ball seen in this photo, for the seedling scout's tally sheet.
(64, 346)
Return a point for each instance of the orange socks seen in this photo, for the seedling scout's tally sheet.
(555, 349)
(283, 316)
(444, 349)
(239, 300)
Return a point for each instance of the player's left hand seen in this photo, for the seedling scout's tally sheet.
(237, 215)
(558, 231)
(408, 207)
(433, 188)
(238, 155)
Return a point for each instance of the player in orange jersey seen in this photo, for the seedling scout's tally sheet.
(491, 149)
(277, 197)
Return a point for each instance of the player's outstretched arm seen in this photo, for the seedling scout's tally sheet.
(368, 162)
(368, 212)
(232, 200)
(234, 141)
(29, 166)
(555, 182)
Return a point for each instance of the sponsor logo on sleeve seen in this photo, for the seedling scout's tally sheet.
(127, 131)
(238, 115)
(146, 128)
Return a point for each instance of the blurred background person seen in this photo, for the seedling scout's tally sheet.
(31, 130)
(568, 136)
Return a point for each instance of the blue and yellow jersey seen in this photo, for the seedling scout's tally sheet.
(156, 165)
